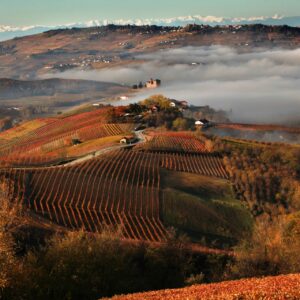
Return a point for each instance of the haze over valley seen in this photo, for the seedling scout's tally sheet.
(236, 68)
(260, 85)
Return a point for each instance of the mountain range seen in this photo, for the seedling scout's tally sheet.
(9, 32)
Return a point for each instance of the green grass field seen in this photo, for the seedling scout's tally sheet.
(204, 208)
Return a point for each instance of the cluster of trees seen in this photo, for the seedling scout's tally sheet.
(272, 248)
(5, 123)
(10, 219)
(30, 110)
(166, 116)
(159, 111)
(79, 266)
(183, 124)
(160, 101)
(138, 86)
(156, 111)
(267, 177)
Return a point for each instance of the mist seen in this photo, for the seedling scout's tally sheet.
(261, 86)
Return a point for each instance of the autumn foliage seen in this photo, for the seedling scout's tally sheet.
(269, 288)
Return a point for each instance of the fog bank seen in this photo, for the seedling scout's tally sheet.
(261, 86)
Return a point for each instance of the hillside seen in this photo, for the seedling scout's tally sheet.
(145, 194)
(15, 89)
(100, 47)
(72, 195)
(25, 99)
(91, 170)
(280, 287)
(203, 207)
(61, 168)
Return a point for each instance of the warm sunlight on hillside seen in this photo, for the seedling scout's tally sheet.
(269, 288)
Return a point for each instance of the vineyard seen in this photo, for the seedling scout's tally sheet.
(203, 164)
(175, 142)
(72, 171)
(119, 189)
(48, 143)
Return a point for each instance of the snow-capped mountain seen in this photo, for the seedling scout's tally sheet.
(8, 32)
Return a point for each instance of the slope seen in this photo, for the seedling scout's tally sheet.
(204, 207)
(280, 287)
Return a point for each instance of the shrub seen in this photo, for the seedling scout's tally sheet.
(194, 279)
(10, 218)
(78, 265)
(272, 249)
(180, 124)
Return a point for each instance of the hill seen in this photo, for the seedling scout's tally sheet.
(203, 207)
(100, 47)
(280, 287)
(180, 203)
(9, 32)
(61, 168)
(26, 99)
(15, 89)
(90, 170)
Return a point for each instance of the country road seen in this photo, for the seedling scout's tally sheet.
(138, 134)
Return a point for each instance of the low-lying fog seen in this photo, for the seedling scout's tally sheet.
(258, 135)
(261, 86)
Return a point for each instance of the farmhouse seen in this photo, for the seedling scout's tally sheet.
(152, 84)
(202, 123)
(128, 140)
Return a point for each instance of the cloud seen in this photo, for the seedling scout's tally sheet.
(7, 32)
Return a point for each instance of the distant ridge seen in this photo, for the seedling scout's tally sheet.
(9, 32)
(13, 89)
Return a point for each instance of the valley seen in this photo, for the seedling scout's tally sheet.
(146, 158)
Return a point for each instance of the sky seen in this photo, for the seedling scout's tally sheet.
(54, 12)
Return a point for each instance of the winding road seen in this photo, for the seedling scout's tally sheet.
(140, 139)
